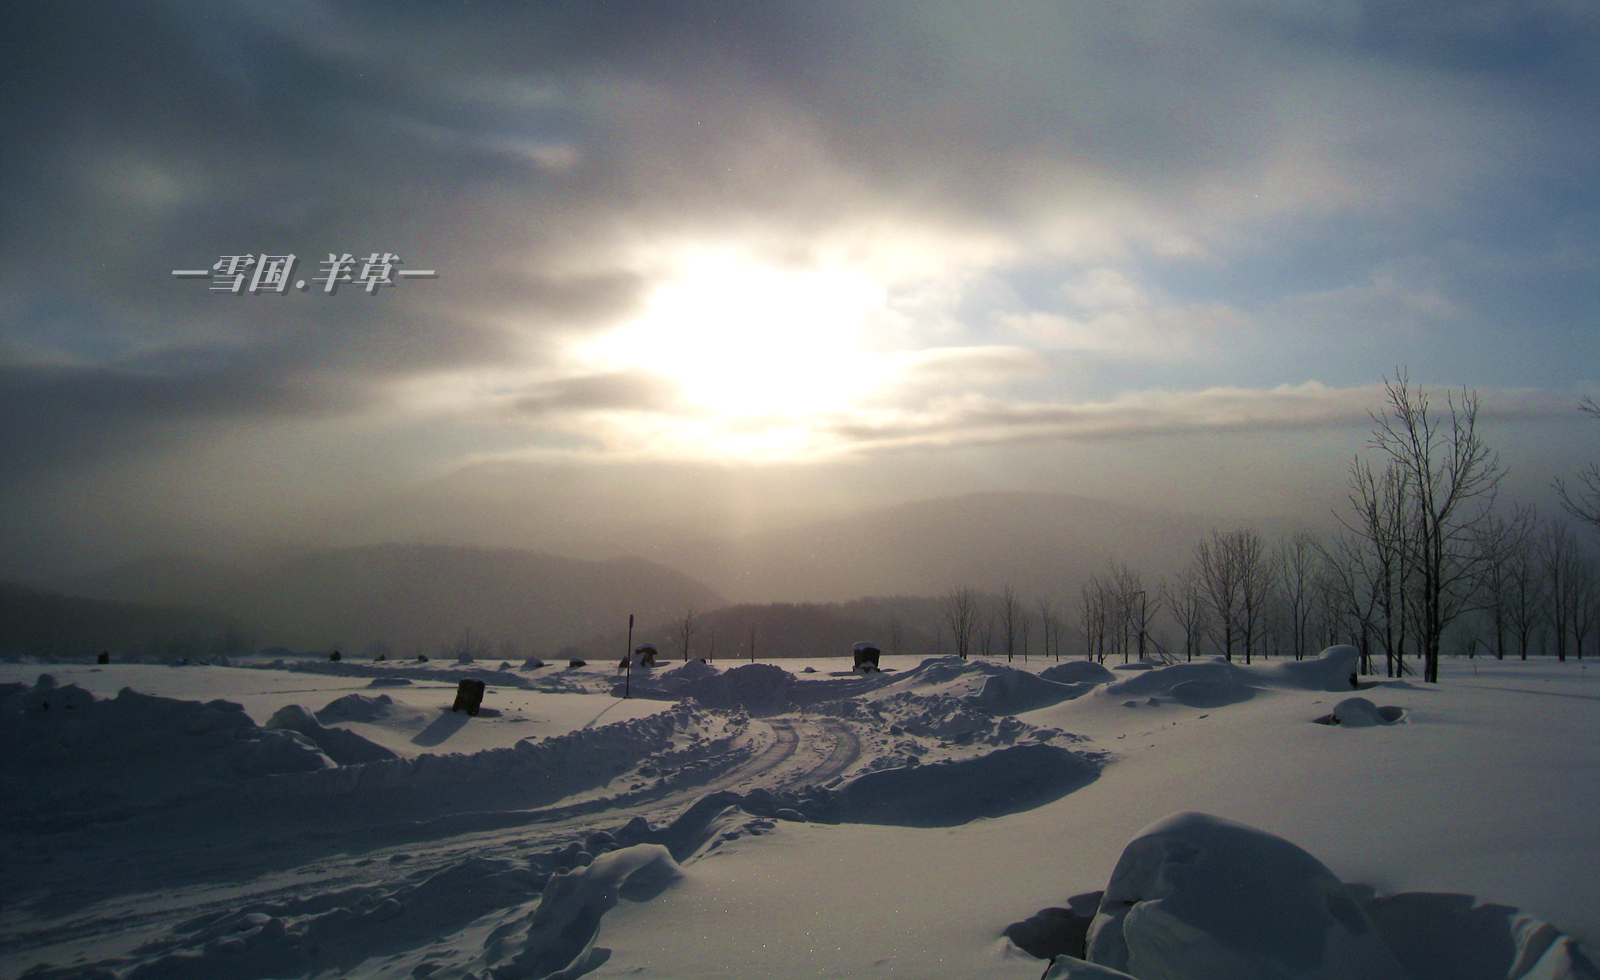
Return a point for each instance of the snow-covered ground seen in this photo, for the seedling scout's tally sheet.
(796, 820)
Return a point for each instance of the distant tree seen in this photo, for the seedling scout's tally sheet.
(1557, 553)
(1220, 577)
(711, 644)
(750, 635)
(1586, 604)
(1526, 593)
(960, 610)
(1185, 599)
(1092, 618)
(1583, 502)
(896, 634)
(1296, 563)
(1024, 631)
(1049, 626)
(683, 629)
(1010, 616)
(1503, 538)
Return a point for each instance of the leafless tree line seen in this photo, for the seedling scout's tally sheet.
(1423, 553)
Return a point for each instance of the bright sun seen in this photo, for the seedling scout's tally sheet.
(747, 340)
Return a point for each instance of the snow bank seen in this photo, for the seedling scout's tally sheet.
(946, 794)
(1196, 896)
(71, 757)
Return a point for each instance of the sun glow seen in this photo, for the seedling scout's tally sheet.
(744, 340)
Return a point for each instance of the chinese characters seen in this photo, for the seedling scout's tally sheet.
(265, 273)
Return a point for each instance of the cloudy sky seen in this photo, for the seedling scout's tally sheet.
(731, 263)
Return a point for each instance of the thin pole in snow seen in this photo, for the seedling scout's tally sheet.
(627, 658)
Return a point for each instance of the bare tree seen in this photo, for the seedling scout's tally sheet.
(960, 609)
(1185, 599)
(1451, 481)
(1010, 615)
(1296, 563)
(1352, 583)
(1049, 626)
(1503, 538)
(1024, 631)
(1092, 616)
(1557, 551)
(1526, 593)
(1379, 502)
(683, 630)
(1584, 501)
(1234, 573)
(1586, 603)
(750, 633)
(711, 644)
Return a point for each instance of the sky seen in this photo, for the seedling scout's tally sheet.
(731, 265)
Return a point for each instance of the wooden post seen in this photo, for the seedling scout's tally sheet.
(627, 677)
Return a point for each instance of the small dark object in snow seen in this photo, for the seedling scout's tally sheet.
(1355, 685)
(866, 657)
(469, 696)
(575, 662)
(809, 670)
(334, 655)
(104, 658)
(422, 658)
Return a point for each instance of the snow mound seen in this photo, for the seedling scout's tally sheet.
(1077, 672)
(1361, 713)
(345, 748)
(390, 682)
(72, 757)
(989, 687)
(1202, 684)
(760, 689)
(946, 794)
(1198, 896)
(754, 687)
(1331, 670)
(694, 670)
(356, 707)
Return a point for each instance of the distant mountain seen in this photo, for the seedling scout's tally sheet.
(159, 579)
(1043, 543)
(39, 623)
(418, 598)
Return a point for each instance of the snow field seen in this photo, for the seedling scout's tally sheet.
(956, 802)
